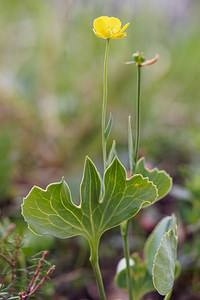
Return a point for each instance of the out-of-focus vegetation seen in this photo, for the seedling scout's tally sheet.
(50, 111)
(21, 276)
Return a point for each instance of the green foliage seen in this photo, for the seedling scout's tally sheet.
(161, 179)
(160, 267)
(140, 277)
(34, 243)
(164, 263)
(130, 146)
(51, 211)
(29, 85)
(112, 153)
(18, 269)
(154, 240)
(73, 96)
(160, 253)
(108, 127)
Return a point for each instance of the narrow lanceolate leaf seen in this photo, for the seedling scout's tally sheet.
(140, 277)
(112, 154)
(108, 127)
(164, 263)
(52, 211)
(161, 179)
(130, 146)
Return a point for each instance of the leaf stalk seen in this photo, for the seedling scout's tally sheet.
(94, 260)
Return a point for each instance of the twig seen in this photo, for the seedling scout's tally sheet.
(11, 256)
(26, 295)
(33, 287)
(36, 274)
(45, 276)
(6, 259)
(14, 262)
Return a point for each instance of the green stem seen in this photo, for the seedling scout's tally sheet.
(168, 296)
(126, 225)
(104, 103)
(94, 259)
(138, 109)
(124, 232)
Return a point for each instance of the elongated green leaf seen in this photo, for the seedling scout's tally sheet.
(154, 239)
(112, 154)
(108, 127)
(140, 277)
(161, 179)
(130, 146)
(164, 263)
(52, 211)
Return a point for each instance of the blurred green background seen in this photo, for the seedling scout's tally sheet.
(51, 67)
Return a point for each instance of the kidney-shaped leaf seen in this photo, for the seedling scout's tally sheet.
(52, 211)
(161, 179)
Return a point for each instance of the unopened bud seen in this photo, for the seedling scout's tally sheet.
(141, 61)
(138, 58)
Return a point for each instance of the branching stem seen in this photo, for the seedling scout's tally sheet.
(34, 285)
(36, 275)
(6, 259)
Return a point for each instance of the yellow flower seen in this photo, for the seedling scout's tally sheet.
(109, 28)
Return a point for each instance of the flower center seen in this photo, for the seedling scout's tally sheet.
(110, 31)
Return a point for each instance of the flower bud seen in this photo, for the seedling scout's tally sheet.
(138, 58)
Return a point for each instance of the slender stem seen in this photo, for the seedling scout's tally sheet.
(94, 259)
(137, 142)
(168, 296)
(104, 103)
(124, 232)
(138, 110)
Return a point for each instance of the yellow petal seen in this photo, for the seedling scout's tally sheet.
(105, 19)
(124, 28)
(98, 34)
(100, 24)
(119, 36)
(109, 28)
(114, 24)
